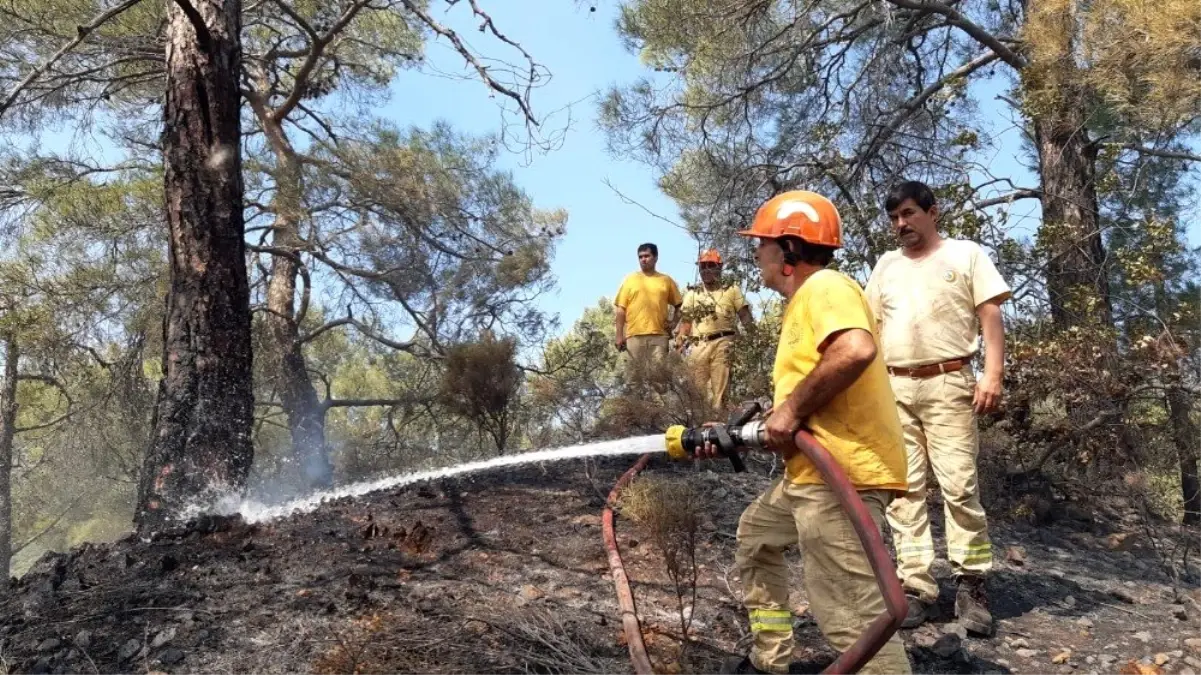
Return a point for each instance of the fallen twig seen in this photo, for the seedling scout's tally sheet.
(1123, 609)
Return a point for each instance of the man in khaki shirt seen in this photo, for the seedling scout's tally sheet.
(711, 310)
(928, 296)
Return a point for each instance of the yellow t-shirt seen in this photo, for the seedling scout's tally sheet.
(927, 308)
(860, 426)
(645, 298)
(713, 311)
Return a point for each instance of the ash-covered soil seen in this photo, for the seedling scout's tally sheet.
(506, 572)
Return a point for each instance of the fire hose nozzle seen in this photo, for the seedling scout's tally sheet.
(730, 439)
(674, 440)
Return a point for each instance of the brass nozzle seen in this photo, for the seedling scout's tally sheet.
(673, 439)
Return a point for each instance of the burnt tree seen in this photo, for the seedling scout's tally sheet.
(288, 90)
(8, 428)
(200, 442)
(306, 414)
(1077, 281)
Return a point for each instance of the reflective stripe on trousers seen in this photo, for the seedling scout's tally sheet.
(940, 434)
(842, 591)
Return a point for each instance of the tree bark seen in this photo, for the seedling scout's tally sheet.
(306, 415)
(1077, 283)
(201, 440)
(8, 428)
(1184, 432)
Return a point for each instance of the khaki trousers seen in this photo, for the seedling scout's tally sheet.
(940, 432)
(709, 361)
(842, 591)
(646, 347)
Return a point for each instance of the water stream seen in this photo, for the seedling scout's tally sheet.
(254, 511)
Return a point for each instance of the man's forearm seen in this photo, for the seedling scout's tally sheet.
(744, 314)
(620, 324)
(993, 327)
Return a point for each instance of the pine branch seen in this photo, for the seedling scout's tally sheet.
(1166, 154)
(364, 402)
(316, 49)
(81, 33)
(914, 104)
(25, 544)
(49, 380)
(977, 32)
(304, 275)
(474, 62)
(1022, 193)
(407, 346)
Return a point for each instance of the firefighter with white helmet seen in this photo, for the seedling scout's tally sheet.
(828, 377)
(708, 325)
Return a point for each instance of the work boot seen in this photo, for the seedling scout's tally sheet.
(740, 666)
(971, 605)
(919, 612)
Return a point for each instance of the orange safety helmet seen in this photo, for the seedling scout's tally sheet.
(710, 256)
(805, 215)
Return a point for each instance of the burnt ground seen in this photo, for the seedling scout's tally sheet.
(506, 572)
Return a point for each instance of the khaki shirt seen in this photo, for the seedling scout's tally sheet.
(712, 311)
(927, 308)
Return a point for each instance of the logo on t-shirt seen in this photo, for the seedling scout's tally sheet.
(948, 275)
(792, 335)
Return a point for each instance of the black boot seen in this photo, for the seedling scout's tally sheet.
(740, 666)
(919, 612)
(971, 605)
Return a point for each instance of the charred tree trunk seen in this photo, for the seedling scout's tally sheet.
(306, 415)
(201, 439)
(8, 429)
(1067, 160)
(1184, 432)
(1076, 277)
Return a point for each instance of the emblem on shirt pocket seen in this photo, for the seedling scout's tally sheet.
(948, 275)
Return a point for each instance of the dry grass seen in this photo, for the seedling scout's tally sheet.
(523, 640)
(661, 504)
(351, 651)
(653, 396)
(668, 510)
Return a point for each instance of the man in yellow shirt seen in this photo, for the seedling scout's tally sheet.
(642, 308)
(928, 296)
(829, 377)
(713, 310)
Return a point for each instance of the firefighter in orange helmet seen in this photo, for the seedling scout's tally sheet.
(828, 377)
(708, 326)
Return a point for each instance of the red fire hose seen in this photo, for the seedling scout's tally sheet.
(882, 627)
(878, 631)
(625, 598)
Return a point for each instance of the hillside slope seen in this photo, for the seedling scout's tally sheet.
(506, 572)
